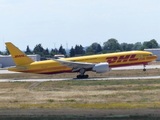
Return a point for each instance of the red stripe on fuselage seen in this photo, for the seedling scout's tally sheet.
(129, 64)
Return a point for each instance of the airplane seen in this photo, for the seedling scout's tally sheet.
(101, 63)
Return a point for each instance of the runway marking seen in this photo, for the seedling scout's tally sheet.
(64, 79)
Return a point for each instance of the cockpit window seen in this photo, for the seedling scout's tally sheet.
(151, 54)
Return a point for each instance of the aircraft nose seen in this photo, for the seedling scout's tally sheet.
(155, 57)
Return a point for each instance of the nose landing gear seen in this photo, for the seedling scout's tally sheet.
(144, 68)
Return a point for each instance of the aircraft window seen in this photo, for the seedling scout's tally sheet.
(151, 54)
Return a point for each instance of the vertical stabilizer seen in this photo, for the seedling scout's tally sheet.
(18, 56)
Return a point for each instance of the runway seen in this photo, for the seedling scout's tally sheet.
(65, 79)
(137, 67)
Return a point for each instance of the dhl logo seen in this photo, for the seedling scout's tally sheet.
(18, 56)
(123, 58)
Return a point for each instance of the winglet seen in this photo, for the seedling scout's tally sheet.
(18, 56)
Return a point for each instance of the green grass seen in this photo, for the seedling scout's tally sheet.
(72, 104)
(81, 94)
(70, 100)
(99, 82)
(50, 100)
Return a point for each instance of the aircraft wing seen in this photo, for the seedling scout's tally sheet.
(76, 65)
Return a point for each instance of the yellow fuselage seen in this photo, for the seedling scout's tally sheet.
(114, 59)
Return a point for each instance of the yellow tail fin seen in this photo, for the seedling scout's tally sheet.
(18, 56)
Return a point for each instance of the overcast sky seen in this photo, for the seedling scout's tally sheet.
(56, 22)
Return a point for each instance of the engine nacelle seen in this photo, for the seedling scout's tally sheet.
(101, 68)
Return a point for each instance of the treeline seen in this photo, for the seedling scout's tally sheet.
(110, 46)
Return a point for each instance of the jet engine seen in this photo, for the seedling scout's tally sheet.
(101, 68)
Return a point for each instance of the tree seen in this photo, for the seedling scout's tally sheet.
(81, 50)
(150, 44)
(62, 50)
(99, 48)
(89, 51)
(72, 52)
(78, 50)
(52, 53)
(39, 50)
(94, 49)
(111, 45)
(129, 47)
(55, 51)
(46, 52)
(137, 46)
(154, 43)
(1, 53)
(28, 51)
(124, 46)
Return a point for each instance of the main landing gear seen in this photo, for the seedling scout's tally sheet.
(144, 68)
(82, 71)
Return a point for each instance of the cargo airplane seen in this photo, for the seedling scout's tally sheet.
(101, 63)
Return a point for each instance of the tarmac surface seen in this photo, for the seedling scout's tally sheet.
(93, 112)
(63, 79)
(137, 67)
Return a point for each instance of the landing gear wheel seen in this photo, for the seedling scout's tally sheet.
(86, 76)
(82, 76)
(78, 76)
